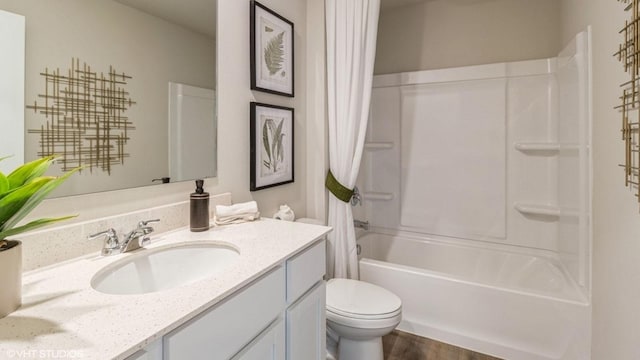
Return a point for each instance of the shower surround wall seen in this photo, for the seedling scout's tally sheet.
(495, 157)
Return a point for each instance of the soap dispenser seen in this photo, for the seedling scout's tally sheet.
(199, 211)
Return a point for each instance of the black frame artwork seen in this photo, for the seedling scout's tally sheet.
(272, 62)
(271, 144)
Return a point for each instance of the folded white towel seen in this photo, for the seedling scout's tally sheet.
(236, 219)
(250, 207)
(237, 213)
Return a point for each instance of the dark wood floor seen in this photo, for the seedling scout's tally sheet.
(404, 346)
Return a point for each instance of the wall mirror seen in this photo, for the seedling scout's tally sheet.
(125, 88)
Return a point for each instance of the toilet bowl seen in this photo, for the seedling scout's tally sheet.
(360, 314)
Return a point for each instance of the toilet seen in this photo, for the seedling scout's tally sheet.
(359, 314)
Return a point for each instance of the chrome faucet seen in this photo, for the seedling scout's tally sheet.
(361, 224)
(137, 237)
(134, 240)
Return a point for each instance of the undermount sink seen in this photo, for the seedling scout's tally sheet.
(163, 268)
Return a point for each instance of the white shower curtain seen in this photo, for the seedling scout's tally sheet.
(351, 27)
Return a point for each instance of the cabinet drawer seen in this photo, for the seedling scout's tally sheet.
(304, 270)
(220, 332)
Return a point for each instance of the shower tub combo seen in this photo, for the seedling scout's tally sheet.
(513, 305)
(477, 184)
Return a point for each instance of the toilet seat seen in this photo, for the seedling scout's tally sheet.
(363, 316)
(360, 323)
(361, 305)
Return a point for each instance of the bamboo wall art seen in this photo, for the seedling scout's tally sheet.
(84, 112)
(629, 55)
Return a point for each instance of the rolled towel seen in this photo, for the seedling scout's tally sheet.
(237, 213)
(285, 213)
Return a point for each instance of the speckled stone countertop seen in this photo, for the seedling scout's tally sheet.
(63, 316)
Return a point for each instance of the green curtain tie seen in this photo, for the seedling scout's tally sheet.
(338, 190)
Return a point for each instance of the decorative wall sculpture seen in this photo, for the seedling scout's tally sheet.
(85, 123)
(629, 54)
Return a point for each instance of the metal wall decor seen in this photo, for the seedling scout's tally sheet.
(85, 123)
(629, 54)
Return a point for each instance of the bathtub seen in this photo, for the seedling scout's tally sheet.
(506, 304)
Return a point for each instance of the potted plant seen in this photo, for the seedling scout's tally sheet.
(20, 192)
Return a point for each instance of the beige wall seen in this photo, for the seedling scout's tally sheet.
(234, 96)
(103, 34)
(616, 222)
(447, 33)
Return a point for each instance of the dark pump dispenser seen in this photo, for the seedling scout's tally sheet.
(199, 208)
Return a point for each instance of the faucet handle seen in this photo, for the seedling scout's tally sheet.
(147, 222)
(109, 233)
(144, 241)
(111, 243)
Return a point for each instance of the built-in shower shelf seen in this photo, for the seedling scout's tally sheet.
(546, 210)
(372, 146)
(543, 146)
(377, 196)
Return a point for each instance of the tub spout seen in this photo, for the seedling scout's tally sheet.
(361, 224)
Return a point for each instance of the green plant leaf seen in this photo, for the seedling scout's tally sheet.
(274, 54)
(35, 199)
(15, 201)
(29, 171)
(4, 184)
(32, 225)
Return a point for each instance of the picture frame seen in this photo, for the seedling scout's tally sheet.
(271, 146)
(272, 51)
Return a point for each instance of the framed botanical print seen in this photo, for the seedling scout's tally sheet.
(271, 51)
(271, 150)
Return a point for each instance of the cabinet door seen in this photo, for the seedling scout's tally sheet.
(306, 327)
(268, 346)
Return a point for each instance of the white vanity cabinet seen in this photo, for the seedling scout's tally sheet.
(220, 332)
(279, 316)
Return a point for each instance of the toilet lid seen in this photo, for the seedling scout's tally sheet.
(345, 296)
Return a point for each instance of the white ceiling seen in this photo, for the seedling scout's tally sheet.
(195, 15)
